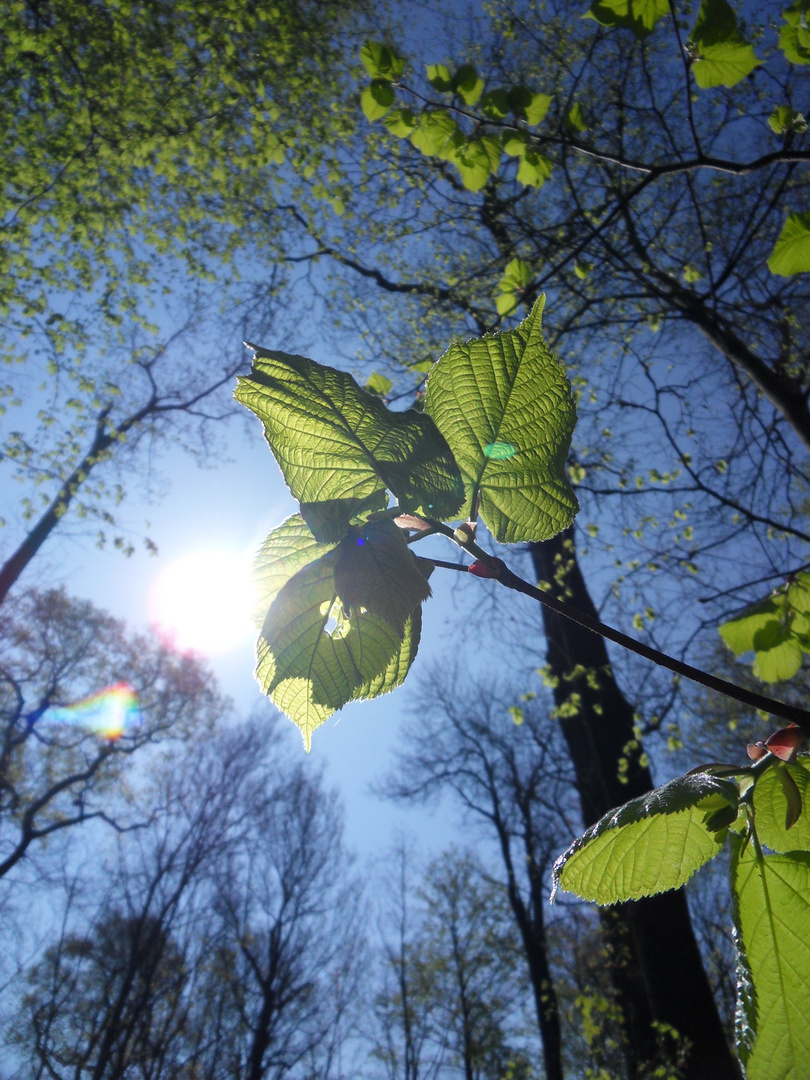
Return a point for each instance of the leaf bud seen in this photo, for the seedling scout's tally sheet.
(465, 532)
(487, 570)
(785, 742)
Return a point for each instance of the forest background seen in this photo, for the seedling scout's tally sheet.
(177, 179)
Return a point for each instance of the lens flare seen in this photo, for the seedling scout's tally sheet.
(499, 450)
(107, 713)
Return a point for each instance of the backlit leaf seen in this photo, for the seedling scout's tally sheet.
(722, 56)
(378, 384)
(400, 663)
(312, 656)
(509, 388)
(784, 119)
(336, 443)
(439, 77)
(791, 254)
(377, 99)
(574, 121)
(651, 844)
(375, 571)
(495, 104)
(640, 16)
(380, 61)
(438, 135)
(476, 161)
(772, 916)
(400, 122)
(528, 106)
(794, 39)
(771, 807)
(534, 169)
(288, 548)
(776, 629)
(468, 84)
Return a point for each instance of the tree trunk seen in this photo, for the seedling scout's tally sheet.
(656, 966)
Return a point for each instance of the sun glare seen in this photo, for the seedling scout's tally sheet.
(202, 602)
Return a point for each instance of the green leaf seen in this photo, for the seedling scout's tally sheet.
(508, 387)
(784, 119)
(400, 663)
(506, 303)
(515, 143)
(377, 99)
(650, 844)
(574, 120)
(640, 16)
(288, 548)
(380, 61)
(772, 809)
(778, 653)
(467, 84)
(776, 629)
(439, 77)
(438, 135)
(328, 518)
(378, 384)
(336, 443)
(722, 56)
(495, 104)
(791, 254)
(400, 122)
(376, 572)
(476, 161)
(312, 657)
(794, 39)
(516, 275)
(527, 105)
(534, 169)
(772, 917)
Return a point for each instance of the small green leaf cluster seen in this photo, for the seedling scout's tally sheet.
(656, 842)
(340, 592)
(479, 128)
(439, 130)
(776, 630)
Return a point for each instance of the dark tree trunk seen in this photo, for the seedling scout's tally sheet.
(656, 966)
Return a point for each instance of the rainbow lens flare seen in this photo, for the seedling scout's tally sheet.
(108, 713)
(500, 450)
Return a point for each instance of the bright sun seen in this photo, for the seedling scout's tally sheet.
(203, 602)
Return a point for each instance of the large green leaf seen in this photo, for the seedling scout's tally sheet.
(772, 916)
(722, 56)
(339, 445)
(640, 16)
(508, 389)
(314, 657)
(772, 804)
(650, 844)
(791, 253)
(288, 548)
(376, 572)
(400, 663)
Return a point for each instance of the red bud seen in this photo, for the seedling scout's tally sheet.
(486, 570)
